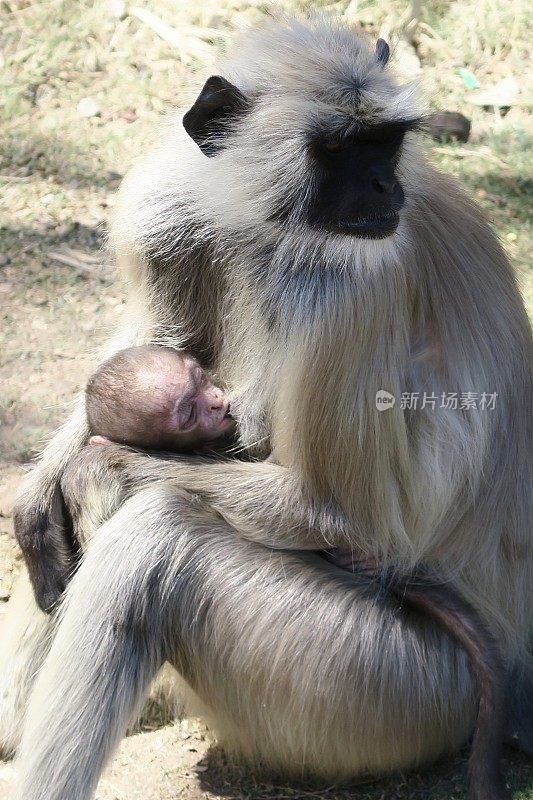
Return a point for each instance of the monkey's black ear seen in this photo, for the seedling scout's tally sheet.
(382, 52)
(216, 104)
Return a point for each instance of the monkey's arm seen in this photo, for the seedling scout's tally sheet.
(262, 501)
(175, 301)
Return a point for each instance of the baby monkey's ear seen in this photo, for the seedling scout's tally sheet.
(382, 52)
(218, 103)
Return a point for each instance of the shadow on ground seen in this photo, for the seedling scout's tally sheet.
(444, 781)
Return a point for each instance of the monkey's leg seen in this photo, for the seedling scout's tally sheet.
(25, 638)
(301, 666)
(26, 632)
(109, 645)
(130, 471)
(93, 490)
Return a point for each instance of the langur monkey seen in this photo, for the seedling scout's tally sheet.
(291, 234)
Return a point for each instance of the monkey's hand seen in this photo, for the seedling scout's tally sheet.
(39, 529)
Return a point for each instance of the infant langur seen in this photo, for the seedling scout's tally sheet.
(156, 398)
(151, 398)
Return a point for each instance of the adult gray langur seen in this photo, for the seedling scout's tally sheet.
(291, 235)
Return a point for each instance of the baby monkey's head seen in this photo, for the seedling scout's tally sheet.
(154, 397)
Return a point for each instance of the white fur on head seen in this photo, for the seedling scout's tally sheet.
(299, 78)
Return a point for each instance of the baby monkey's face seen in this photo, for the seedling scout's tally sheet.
(198, 411)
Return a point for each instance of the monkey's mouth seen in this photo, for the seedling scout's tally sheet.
(372, 227)
(227, 420)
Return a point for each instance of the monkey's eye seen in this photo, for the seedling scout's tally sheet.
(334, 145)
(186, 415)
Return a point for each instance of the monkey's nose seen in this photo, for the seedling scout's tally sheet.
(218, 400)
(384, 185)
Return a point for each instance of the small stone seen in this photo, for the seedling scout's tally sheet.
(4, 260)
(46, 199)
(88, 107)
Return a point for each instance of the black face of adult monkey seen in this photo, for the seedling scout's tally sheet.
(305, 323)
(356, 189)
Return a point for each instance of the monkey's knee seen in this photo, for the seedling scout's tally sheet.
(81, 467)
(91, 464)
(93, 487)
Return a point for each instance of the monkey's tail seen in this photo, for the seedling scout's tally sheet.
(463, 623)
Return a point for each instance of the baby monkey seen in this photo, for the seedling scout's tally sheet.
(155, 398)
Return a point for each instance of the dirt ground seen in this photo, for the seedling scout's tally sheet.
(177, 763)
(61, 160)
